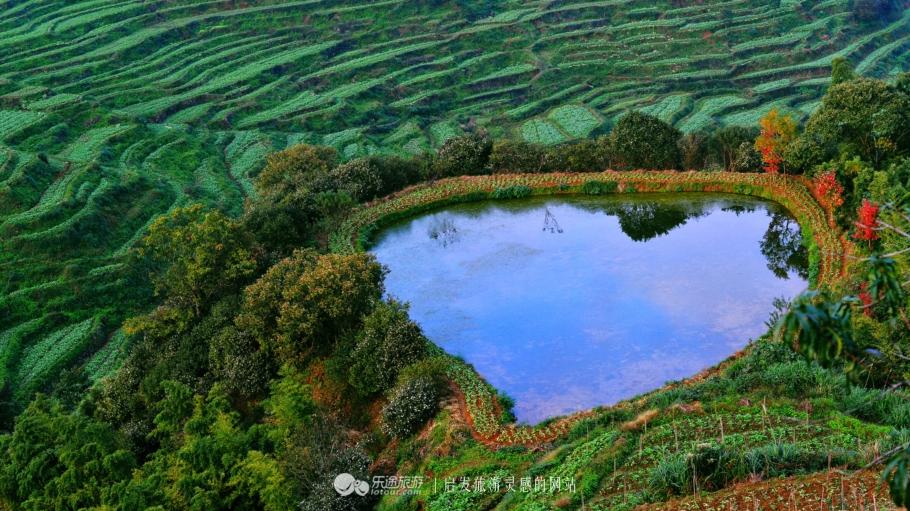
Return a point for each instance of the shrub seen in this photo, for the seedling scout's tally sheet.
(507, 405)
(878, 406)
(841, 70)
(747, 159)
(804, 153)
(412, 404)
(584, 156)
(434, 368)
(287, 172)
(388, 343)
(671, 476)
(511, 192)
(466, 155)
(516, 156)
(360, 178)
(397, 173)
(794, 379)
(599, 187)
(642, 141)
(774, 460)
(714, 466)
(693, 149)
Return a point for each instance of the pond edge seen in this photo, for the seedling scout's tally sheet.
(828, 255)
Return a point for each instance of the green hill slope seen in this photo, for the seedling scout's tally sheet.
(114, 112)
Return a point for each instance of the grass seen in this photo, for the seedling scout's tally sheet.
(729, 438)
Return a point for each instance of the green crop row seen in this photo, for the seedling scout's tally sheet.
(40, 360)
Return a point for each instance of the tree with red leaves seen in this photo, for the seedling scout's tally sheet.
(777, 131)
(828, 191)
(867, 221)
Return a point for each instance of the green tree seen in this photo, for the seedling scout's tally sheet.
(388, 342)
(59, 460)
(509, 156)
(302, 304)
(584, 156)
(195, 256)
(640, 141)
(693, 150)
(287, 173)
(863, 117)
(360, 178)
(238, 362)
(199, 470)
(287, 212)
(841, 71)
(465, 155)
(726, 142)
(805, 152)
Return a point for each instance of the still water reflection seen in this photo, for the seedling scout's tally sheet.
(570, 303)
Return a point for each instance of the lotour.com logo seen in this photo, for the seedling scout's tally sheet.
(346, 484)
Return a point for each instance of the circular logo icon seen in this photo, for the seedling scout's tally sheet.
(345, 484)
(361, 488)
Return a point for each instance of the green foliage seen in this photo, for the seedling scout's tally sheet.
(640, 141)
(463, 155)
(411, 404)
(511, 192)
(194, 256)
(388, 342)
(878, 406)
(360, 178)
(59, 460)
(726, 143)
(820, 329)
(693, 150)
(595, 187)
(305, 300)
(236, 360)
(863, 117)
(804, 153)
(516, 156)
(841, 71)
(897, 473)
(288, 173)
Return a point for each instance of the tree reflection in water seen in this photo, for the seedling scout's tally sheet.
(443, 231)
(782, 246)
(550, 224)
(645, 221)
(642, 221)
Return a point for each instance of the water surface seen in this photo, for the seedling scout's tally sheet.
(570, 303)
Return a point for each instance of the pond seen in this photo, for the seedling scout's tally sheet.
(567, 303)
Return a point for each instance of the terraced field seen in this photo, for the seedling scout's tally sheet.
(112, 112)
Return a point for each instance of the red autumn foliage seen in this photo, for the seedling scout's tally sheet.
(772, 160)
(776, 132)
(828, 191)
(865, 297)
(867, 221)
